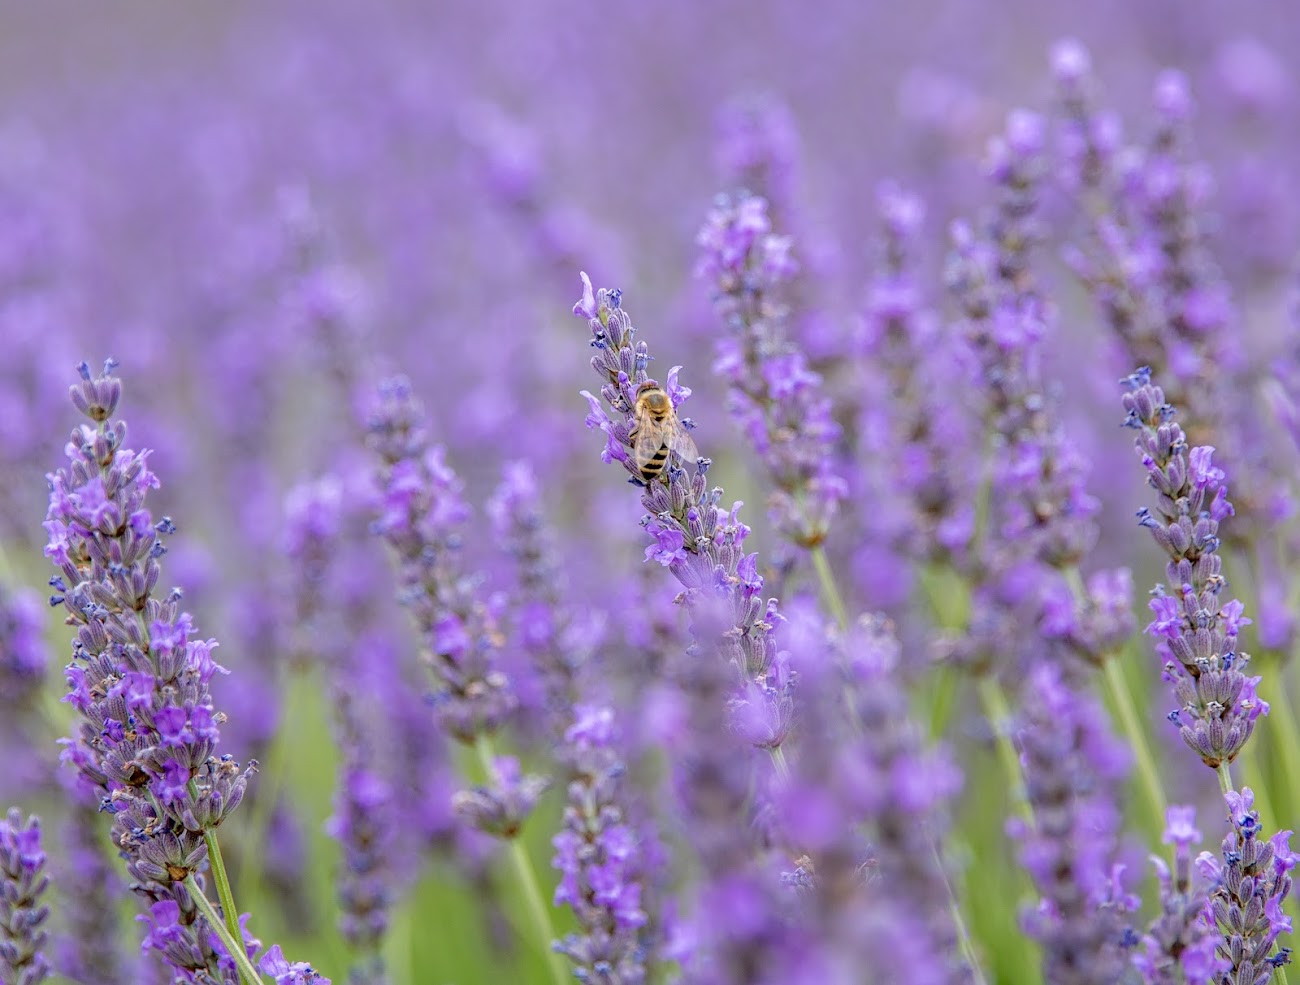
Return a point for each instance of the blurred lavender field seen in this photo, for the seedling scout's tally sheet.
(908, 714)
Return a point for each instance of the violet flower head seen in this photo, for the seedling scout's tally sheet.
(1196, 631)
(140, 675)
(1251, 880)
(284, 972)
(23, 882)
(1071, 765)
(421, 516)
(1181, 944)
(867, 805)
(773, 395)
(690, 533)
(554, 638)
(23, 655)
(90, 949)
(363, 825)
(600, 855)
(915, 365)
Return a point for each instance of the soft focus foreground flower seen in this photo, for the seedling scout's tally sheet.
(23, 882)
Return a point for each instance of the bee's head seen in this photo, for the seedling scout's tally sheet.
(653, 398)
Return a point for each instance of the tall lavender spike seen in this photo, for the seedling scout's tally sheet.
(773, 395)
(602, 858)
(1181, 944)
(690, 534)
(23, 882)
(90, 951)
(1251, 881)
(1196, 631)
(139, 679)
(867, 803)
(421, 514)
(1071, 765)
(925, 430)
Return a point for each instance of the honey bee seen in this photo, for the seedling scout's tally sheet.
(657, 432)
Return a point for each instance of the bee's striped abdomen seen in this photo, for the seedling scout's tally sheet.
(655, 465)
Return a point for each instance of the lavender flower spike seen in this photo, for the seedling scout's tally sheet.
(601, 857)
(1250, 885)
(775, 398)
(1181, 944)
(139, 678)
(690, 533)
(1197, 632)
(1071, 764)
(422, 512)
(22, 883)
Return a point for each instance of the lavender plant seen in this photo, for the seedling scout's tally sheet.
(23, 882)
(139, 680)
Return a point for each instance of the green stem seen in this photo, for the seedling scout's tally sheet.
(1146, 764)
(964, 941)
(224, 892)
(943, 700)
(234, 944)
(998, 713)
(537, 909)
(1225, 778)
(830, 591)
(262, 809)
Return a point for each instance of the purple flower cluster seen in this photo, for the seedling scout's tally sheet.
(691, 534)
(23, 882)
(773, 395)
(1071, 764)
(420, 516)
(139, 679)
(1251, 880)
(1196, 630)
(1181, 944)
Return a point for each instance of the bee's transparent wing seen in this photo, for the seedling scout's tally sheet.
(684, 445)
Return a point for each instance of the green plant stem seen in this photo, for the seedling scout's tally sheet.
(1146, 764)
(830, 591)
(998, 713)
(943, 700)
(532, 891)
(262, 809)
(234, 944)
(1225, 778)
(964, 941)
(224, 892)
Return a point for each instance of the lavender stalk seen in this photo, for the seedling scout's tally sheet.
(23, 882)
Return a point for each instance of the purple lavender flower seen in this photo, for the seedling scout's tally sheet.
(690, 534)
(90, 949)
(22, 914)
(867, 806)
(1071, 766)
(553, 637)
(1196, 631)
(139, 679)
(1181, 944)
(275, 964)
(23, 656)
(362, 824)
(773, 395)
(421, 514)
(916, 424)
(1251, 880)
(601, 857)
